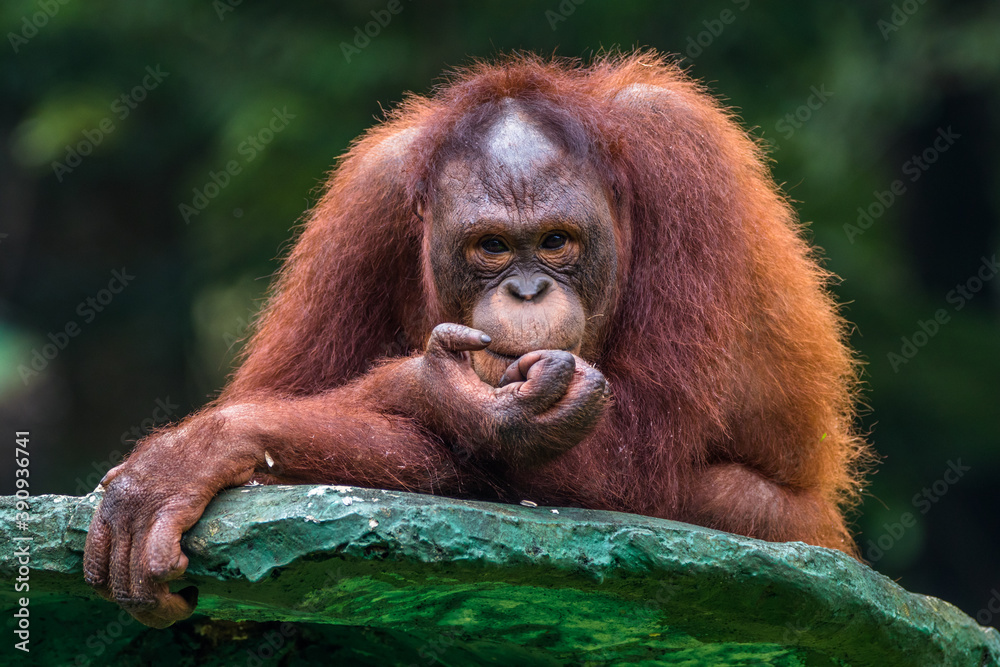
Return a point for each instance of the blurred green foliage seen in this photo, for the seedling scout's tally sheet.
(845, 93)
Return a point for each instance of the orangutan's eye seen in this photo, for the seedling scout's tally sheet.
(554, 241)
(494, 246)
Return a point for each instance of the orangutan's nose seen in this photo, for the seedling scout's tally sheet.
(527, 288)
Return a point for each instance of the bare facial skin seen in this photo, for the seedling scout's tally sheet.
(523, 234)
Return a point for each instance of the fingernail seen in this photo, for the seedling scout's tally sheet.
(485, 338)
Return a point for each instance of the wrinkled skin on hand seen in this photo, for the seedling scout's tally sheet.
(133, 546)
(546, 402)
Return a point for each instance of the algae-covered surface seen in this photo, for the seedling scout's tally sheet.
(344, 575)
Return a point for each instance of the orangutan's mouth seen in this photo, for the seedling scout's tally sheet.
(502, 357)
(511, 358)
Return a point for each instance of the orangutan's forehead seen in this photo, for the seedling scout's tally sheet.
(517, 167)
(515, 145)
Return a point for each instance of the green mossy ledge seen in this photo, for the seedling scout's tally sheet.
(344, 575)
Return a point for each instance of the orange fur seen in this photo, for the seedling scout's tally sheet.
(724, 347)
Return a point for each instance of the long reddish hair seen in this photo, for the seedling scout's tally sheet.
(723, 320)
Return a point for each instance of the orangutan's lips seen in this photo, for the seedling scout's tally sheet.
(512, 358)
(502, 357)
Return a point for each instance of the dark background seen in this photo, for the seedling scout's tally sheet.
(867, 87)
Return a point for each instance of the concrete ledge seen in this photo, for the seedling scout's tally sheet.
(347, 575)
